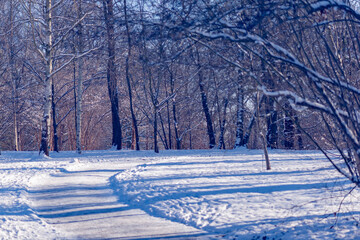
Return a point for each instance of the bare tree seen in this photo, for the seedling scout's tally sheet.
(321, 74)
(135, 131)
(47, 38)
(204, 102)
(79, 88)
(109, 18)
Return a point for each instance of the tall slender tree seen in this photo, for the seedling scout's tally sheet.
(204, 102)
(108, 6)
(240, 110)
(135, 131)
(47, 54)
(15, 78)
(79, 83)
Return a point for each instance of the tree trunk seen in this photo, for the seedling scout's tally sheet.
(53, 107)
(222, 126)
(289, 128)
(262, 135)
(169, 124)
(190, 136)
(15, 106)
(239, 142)
(165, 142)
(298, 134)
(135, 131)
(251, 122)
(14, 76)
(111, 74)
(266, 154)
(16, 132)
(133, 137)
(204, 102)
(156, 148)
(357, 161)
(45, 125)
(271, 120)
(79, 82)
(177, 138)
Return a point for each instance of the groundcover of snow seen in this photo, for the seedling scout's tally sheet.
(17, 219)
(231, 194)
(217, 194)
(69, 196)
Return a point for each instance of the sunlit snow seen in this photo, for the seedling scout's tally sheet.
(197, 194)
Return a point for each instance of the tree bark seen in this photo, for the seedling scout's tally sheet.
(289, 128)
(168, 122)
(165, 141)
(239, 142)
(14, 76)
(53, 107)
(271, 120)
(204, 103)
(45, 125)
(135, 131)
(298, 134)
(251, 122)
(156, 148)
(262, 135)
(178, 140)
(111, 74)
(175, 119)
(222, 126)
(79, 81)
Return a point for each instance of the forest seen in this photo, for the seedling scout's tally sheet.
(181, 74)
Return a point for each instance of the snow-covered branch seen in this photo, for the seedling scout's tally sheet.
(327, 4)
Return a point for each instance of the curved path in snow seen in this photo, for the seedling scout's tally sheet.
(80, 204)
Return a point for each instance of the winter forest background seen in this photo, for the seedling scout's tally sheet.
(190, 74)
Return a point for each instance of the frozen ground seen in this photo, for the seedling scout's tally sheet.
(195, 194)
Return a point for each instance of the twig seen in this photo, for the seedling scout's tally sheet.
(342, 201)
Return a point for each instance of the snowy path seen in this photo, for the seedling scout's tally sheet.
(81, 205)
(171, 195)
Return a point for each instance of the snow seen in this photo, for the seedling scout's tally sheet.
(188, 194)
(322, 4)
(17, 220)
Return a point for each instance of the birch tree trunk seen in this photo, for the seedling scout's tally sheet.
(15, 100)
(14, 85)
(79, 82)
(45, 124)
(169, 124)
(14, 74)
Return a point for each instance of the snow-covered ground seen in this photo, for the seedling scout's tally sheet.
(175, 194)
(17, 220)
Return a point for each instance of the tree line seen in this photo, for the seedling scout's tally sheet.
(181, 74)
